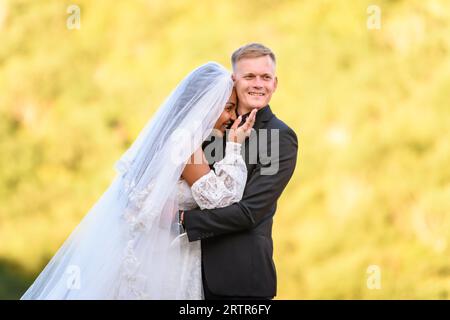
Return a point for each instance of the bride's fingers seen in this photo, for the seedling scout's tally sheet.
(252, 117)
(236, 123)
(250, 120)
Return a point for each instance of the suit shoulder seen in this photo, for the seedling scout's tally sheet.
(276, 123)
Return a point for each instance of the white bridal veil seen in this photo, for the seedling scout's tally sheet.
(123, 249)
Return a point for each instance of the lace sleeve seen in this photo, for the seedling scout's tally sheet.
(226, 184)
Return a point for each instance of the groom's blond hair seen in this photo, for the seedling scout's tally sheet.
(251, 50)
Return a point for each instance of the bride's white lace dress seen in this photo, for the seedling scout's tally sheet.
(219, 188)
(124, 246)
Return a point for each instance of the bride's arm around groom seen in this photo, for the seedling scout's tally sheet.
(260, 197)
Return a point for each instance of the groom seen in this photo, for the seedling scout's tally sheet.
(236, 240)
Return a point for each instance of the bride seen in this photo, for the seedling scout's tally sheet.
(129, 246)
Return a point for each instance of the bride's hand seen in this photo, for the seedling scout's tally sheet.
(238, 134)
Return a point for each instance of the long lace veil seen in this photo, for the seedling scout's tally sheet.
(123, 248)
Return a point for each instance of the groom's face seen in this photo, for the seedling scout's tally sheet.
(255, 82)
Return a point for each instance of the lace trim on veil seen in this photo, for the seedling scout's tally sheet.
(137, 221)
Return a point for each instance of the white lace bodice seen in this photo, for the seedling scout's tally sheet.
(219, 188)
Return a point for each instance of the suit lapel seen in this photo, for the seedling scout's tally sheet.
(250, 155)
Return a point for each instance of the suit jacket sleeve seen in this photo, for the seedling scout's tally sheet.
(261, 193)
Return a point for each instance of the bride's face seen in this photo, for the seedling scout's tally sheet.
(228, 115)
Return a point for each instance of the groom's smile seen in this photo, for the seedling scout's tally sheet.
(258, 94)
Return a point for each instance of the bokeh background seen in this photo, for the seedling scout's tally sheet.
(371, 108)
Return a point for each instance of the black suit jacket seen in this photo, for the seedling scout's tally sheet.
(237, 249)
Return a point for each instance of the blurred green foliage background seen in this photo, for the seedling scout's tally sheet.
(371, 109)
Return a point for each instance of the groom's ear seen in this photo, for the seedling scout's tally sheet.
(233, 77)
